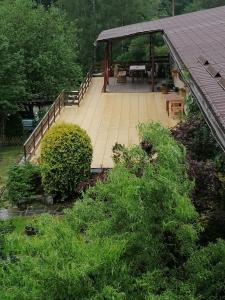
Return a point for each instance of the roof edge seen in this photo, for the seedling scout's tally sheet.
(108, 32)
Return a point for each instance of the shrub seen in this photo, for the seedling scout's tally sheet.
(14, 126)
(120, 240)
(133, 158)
(196, 136)
(66, 155)
(206, 271)
(206, 168)
(23, 182)
(207, 192)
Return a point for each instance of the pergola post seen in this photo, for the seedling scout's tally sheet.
(111, 54)
(106, 67)
(152, 62)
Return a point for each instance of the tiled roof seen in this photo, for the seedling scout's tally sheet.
(197, 38)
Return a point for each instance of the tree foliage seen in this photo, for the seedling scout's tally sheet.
(14, 126)
(124, 239)
(196, 136)
(12, 79)
(205, 271)
(38, 54)
(96, 15)
(203, 4)
(134, 236)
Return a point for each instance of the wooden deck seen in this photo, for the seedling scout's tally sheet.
(112, 117)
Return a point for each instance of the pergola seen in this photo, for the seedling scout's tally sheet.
(108, 60)
(197, 44)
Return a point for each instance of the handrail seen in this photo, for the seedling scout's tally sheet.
(158, 59)
(49, 118)
(84, 85)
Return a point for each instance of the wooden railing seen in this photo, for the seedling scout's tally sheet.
(65, 98)
(99, 66)
(75, 97)
(49, 118)
(157, 59)
(84, 85)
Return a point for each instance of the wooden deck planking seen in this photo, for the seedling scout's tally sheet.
(112, 117)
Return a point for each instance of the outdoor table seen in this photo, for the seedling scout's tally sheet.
(136, 70)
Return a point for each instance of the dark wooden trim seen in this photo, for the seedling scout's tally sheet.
(106, 68)
(152, 51)
(111, 54)
(33, 141)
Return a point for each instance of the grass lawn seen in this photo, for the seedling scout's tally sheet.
(20, 223)
(16, 225)
(8, 157)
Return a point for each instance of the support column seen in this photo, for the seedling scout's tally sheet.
(152, 62)
(106, 68)
(111, 54)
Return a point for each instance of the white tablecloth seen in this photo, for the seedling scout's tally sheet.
(138, 68)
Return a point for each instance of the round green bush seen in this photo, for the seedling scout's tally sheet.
(66, 155)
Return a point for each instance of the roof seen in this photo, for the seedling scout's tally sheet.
(198, 42)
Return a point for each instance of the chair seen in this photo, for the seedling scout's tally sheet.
(122, 77)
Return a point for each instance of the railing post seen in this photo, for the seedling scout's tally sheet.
(54, 112)
(25, 152)
(48, 120)
(60, 101)
(34, 142)
(42, 132)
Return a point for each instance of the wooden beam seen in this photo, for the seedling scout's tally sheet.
(107, 61)
(150, 48)
(152, 61)
(111, 54)
(106, 68)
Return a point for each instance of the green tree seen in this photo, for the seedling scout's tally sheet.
(12, 79)
(203, 4)
(38, 54)
(96, 15)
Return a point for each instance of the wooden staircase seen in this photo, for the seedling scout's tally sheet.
(72, 97)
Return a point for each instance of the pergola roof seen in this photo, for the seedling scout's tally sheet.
(197, 41)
